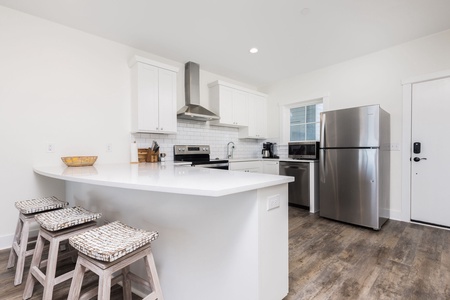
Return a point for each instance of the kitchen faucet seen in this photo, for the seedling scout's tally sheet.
(230, 153)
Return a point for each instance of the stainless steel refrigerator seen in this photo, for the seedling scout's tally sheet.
(355, 165)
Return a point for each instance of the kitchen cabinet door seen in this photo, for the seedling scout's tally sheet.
(147, 98)
(271, 167)
(153, 103)
(226, 105)
(230, 104)
(240, 108)
(167, 112)
(246, 166)
(257, 118)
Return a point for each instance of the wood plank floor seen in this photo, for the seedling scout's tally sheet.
(332, 260)
(9, 291)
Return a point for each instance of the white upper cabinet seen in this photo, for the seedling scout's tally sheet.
(230, 104)
(154, 96)
(239, 107)
(257, 118)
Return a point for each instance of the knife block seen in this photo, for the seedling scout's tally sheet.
(152, 156)
(147, 155)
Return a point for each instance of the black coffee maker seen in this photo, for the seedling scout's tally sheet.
(268, 150)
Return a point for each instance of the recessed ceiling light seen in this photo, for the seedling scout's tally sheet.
(305, 11)
(254, 50)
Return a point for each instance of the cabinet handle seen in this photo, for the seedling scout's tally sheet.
(162, 128)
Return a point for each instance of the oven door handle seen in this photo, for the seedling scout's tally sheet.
(210, 165)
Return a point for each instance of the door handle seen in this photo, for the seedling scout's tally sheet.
(296, 168)
(322, 160)
(417, 159)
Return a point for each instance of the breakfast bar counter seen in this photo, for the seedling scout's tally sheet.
(223, 234)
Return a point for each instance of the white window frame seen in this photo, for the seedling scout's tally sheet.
(285, 114)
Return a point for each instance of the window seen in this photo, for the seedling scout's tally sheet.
(305, 122)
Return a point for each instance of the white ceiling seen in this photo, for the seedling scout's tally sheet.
(293, 36)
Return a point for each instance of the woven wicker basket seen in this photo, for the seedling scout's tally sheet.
(79, 161)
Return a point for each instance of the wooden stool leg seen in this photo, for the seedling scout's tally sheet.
(12, 253)
(104, 285)
(153, 277)
(21, 255)
(49, 282)
(35, 262)
(126, 283)
(77, 281)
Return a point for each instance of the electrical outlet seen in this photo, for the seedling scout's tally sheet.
(109, 147)
(273, 202)
(50, 148)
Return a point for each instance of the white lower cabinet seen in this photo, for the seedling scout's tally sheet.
(271, 167)
(256, 166)
(246, 166)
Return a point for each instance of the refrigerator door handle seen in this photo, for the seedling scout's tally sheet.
(322, 129)
(322, 165)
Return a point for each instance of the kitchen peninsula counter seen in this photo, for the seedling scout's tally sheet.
(166, 177)
(223, 234)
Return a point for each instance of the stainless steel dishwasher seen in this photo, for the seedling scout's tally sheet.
(299, 193)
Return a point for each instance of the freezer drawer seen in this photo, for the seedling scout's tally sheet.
(299, 193)
(349, 186)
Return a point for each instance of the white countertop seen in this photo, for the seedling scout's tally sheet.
(165, 177)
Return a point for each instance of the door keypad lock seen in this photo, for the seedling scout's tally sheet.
(416, 148)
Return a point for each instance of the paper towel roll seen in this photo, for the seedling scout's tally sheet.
(134, 153)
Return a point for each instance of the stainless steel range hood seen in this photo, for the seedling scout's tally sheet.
(193, 110)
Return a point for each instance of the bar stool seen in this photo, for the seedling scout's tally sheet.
(108, 249)
(56, 227)
(27, 210)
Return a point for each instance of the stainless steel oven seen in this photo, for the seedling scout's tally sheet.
(304, 150)
(198, 156)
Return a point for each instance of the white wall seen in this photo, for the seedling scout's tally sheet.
(65, 87)
(371, 79)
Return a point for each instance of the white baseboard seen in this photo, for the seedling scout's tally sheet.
(6, 241)
(397, 215)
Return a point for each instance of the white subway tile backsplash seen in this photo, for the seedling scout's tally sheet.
(191, 132)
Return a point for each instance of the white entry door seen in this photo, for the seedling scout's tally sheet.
(430, 178)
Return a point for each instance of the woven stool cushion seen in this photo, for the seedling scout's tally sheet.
(39, 204)
(111, 241)
(64, 218)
